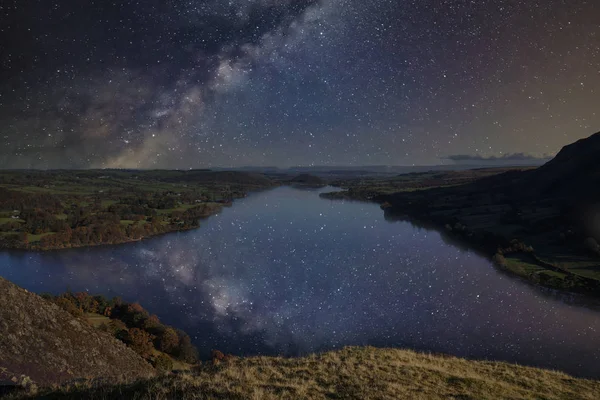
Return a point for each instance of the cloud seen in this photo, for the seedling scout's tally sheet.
(510, 158)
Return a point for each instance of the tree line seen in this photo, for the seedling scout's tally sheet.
(132, 324)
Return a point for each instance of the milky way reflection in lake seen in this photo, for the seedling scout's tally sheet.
(286, 272)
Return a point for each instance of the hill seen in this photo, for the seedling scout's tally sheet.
(575, 171)
(351, 373)
(542, 224)
(248, 179)
(47, 344)
(308, 179)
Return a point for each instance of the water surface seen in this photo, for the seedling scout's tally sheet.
(286, 272)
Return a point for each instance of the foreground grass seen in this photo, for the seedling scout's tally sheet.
(352, 373)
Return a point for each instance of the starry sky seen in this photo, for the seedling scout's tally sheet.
(201, 83)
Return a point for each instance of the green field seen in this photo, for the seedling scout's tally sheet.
(63, 209)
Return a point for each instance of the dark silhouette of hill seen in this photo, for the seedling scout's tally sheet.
(575, 171)
(543, 224)
(47, 344)
(308, 179)
(222, 177)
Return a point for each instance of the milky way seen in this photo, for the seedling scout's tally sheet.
(187, 84)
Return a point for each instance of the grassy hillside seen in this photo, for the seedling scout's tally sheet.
(352, 373)
(49, 353)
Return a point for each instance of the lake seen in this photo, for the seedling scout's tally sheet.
(286, 272)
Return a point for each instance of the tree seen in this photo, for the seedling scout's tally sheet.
(24, 238)
(151, 323)
(169, 341)
(68, 304)
(117, 328)
(140, 341)
(186, 351)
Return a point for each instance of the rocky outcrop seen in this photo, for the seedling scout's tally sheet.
(47, 344)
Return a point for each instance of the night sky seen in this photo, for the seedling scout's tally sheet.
(200, 83)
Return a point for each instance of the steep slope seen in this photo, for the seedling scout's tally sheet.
(575, 171)
(44, 342)
(351, 373)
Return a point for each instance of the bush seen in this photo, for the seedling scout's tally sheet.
(186, 352)
(499, 260)
(68, 305)
(140, 341)
(116, 327)
(152, 322)
(169, 341)
(131, 324)
(163, 363)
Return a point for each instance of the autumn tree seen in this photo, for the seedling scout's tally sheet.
(152, 322)
(140, 341)
(186, 351)
(169, 341)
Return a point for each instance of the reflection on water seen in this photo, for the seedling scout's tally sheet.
(286, 272)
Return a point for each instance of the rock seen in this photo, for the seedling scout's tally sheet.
(42, 344)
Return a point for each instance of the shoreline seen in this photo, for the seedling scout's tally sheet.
(465, 238)
(118, 243)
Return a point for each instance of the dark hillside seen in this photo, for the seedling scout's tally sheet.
(308, 179)
(222, 177)
(575, 171)
(541, 224)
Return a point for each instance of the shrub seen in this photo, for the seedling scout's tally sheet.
(163, 363)
(151, 322)
(68, 305)
(499, 260)
(116, 327)
(218, 357)
(140, 341)
(186, 352)
(169, 341)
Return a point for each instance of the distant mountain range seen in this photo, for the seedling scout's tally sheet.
(382, 170)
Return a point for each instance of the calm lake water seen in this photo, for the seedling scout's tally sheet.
(286, 272)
